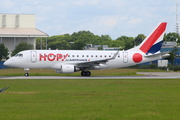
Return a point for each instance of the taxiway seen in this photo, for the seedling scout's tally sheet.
(143, 75)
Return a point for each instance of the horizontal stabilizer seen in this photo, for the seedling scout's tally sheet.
(163, 55)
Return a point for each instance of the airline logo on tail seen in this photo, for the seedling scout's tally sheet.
(153, 42)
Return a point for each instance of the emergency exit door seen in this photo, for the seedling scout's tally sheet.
(33, 56)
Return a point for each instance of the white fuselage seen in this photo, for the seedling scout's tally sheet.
(53, 59)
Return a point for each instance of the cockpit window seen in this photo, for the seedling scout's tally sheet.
(19, 55)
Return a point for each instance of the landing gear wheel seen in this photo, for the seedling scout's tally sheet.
(86, 73)
(26, 74)
(83, 73)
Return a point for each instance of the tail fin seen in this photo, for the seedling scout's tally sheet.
(153, 42)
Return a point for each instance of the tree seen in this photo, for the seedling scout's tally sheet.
(22, 46)
(68, 38)
(78, 40)
(172, 37)
(126, 42)
(81, 33)
(172, 56)
(3, 51)
(78, 45)
(38, 43)
(82, 38)
(117, 43)
(139, 39)
(106, 38)
(59, 44)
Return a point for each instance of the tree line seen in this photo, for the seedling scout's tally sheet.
(78, 40)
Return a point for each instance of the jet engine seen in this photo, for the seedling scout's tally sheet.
(67, 69)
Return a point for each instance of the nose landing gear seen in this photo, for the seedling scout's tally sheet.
(26, 74)
(26, 70)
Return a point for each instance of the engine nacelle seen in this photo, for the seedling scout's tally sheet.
(67, 69)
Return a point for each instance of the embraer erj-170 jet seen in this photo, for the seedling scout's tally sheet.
(69, 61)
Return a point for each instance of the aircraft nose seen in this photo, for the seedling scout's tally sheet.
(7, 63)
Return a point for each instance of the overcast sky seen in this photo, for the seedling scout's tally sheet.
(101, 17)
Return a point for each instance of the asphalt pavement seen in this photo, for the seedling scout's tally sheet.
(142, 75)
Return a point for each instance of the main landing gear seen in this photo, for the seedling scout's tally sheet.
(86, 73)
(26, 70)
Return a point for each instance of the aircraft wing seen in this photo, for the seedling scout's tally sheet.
(97, 62)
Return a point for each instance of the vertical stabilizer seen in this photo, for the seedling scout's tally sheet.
(153, 42)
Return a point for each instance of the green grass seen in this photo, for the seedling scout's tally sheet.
(51, 72)
(90, 100)
(151, 70)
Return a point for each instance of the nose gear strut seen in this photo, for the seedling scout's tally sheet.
(26, 70)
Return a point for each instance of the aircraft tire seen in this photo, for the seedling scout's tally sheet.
(85, 73)
(26, 74)
(88, 73)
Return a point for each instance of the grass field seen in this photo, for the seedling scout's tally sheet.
(51, 72)
(90, 100)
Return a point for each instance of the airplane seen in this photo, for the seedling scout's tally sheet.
(70, 61)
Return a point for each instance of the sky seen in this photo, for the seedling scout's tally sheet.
(101, 17)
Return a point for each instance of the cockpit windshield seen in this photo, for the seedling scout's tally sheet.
(19, 55)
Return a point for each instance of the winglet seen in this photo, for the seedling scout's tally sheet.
(114, 56)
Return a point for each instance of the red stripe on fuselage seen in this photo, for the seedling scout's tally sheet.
(153, 37)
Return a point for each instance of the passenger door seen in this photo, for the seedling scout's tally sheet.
(33, 56)
(125, 57)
